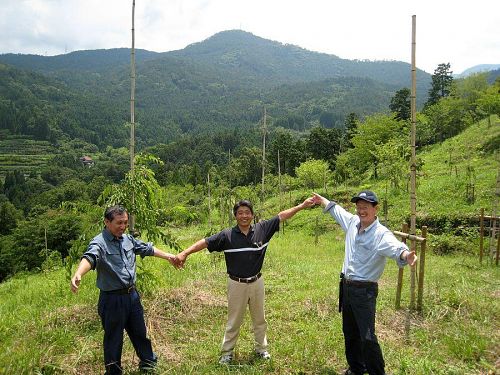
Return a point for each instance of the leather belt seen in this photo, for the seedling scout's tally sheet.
(128, 290)
(360, 283)
(246, 280)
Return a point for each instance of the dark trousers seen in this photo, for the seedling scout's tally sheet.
(362, 350)
(120, 312)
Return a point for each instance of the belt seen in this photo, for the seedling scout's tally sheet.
(128, 290)
(360, 283)
(246, 280)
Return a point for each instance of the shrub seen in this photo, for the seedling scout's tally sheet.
(448, 244)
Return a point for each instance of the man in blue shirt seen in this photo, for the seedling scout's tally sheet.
(112, 254)
(244, 248)
(368, 244)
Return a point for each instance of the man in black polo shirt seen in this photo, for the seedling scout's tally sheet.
(244, 248)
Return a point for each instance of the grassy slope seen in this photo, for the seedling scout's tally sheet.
(22, 154)
(46, 329)
(441, 187)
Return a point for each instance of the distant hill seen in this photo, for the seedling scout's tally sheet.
(478, 69)
(222, 82)
(89, 61)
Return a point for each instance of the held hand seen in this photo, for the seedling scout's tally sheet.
(180, 260)
(411, 258)
(172, 260)
(309, 202)
(75, 282)
(318, 199)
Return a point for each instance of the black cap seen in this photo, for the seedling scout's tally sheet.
(366, 195)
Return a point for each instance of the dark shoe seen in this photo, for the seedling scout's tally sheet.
(350, 372)
(264, 355)
(226, 359)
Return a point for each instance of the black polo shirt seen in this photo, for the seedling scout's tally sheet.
(244, 253)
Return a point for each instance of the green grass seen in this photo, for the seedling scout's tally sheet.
(46, 329)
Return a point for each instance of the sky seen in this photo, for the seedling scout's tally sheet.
(447, 31)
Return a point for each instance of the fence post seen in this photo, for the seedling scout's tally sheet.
(498, 248)
(421, 271)
(481, 235)
(400, 273)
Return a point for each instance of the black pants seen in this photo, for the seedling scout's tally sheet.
(120, 312)
(362, 350)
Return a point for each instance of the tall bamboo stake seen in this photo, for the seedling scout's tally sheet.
(279, 181)
(413, 167)
(209, 202)
(264, 130)
(132, 112)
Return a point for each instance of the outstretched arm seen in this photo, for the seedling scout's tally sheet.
(82, 269)
(194, 248)
(167, 256)
(287, 214)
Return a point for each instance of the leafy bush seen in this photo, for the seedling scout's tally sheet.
(449, 244)
(180, 215)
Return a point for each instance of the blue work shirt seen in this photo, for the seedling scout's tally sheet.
(366, 252)
(114, 259)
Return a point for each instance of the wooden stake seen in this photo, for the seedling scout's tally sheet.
(413, 167)
(481, 235)
(423, 247)
(132, 114)
(400, 273)
(264, 131)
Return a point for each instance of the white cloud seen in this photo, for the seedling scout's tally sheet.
(366, 29)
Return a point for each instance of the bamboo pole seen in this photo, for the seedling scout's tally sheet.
(209, 202)
(413, 196)
(264, 130)
(400, 271)
(410, 237)
(132, 114)
(423, 248)
(280, 190)
(481, 235)
(498, 250)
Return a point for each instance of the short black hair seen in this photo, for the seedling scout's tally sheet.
(242, 203)
(114, 210)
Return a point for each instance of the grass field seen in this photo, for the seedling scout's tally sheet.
(45, 329)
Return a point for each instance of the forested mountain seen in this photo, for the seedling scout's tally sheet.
(272, 63)
(46, 109)
(478, 69)
(221, 83)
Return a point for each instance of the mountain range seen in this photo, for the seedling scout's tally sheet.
(223, 82)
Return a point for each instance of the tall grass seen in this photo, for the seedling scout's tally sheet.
(45, 329)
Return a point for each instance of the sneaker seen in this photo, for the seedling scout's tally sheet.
(225, 359)
(264, 355)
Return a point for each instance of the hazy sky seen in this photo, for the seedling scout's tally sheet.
(447, 31)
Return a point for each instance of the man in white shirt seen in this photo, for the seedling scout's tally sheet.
(368, 244)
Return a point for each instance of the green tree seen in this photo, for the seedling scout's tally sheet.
(373, 132)
(401, 104)
(442, 80)
(291, 150)
(313, 173)
(9, 216)
(447, 118)
(140, 193)
(392, 158)
(324, 143)
(350, 126)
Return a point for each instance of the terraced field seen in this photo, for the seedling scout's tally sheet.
(23, 154)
